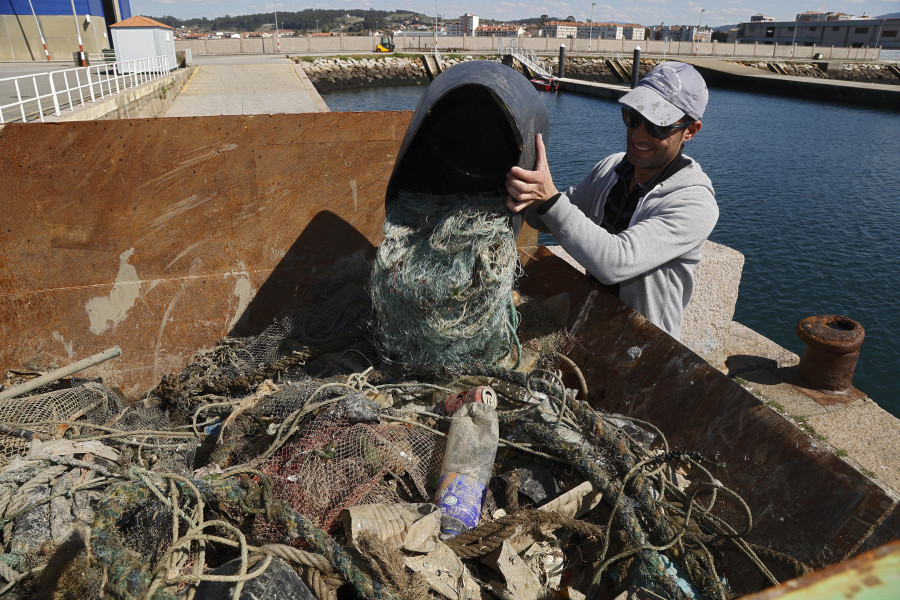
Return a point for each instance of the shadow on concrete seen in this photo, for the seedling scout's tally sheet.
(739, 364)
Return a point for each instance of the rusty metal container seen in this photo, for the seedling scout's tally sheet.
(186, 230)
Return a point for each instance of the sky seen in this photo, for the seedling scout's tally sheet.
(645, 12)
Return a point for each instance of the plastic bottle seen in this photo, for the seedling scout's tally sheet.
(466, 470)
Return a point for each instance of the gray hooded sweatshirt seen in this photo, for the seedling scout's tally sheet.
(653, 260)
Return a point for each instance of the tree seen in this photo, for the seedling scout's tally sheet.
(570, 18)
(544, 18)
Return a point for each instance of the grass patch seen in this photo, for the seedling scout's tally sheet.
(775, 406)
(803, 423)
(840, 452)
(867, 473)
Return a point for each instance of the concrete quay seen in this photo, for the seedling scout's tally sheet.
(213, 85)
(246, 85)
(748, 79)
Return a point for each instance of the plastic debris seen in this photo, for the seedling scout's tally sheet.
(413, 527)
(466, 470)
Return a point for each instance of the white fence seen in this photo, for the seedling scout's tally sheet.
(49, 93)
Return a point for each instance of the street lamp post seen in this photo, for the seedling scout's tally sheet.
(277, 41)
(697, 34)
(878, 37)
(591, 36)
(435, 24)
(794, 40)
(665, 34)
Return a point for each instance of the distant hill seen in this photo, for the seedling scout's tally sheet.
(309, 19)
(895, 15)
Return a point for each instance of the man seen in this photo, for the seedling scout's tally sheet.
(639, 219)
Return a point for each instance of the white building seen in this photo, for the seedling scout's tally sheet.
(634, 32)
(610, 31)
(559, 29)
(833, 30)
(597, 31)
(140, 38)
(499, 31)
(468, 23)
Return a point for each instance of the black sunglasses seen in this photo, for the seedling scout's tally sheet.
(633, 120)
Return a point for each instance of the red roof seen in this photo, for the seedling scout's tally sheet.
(140, 21)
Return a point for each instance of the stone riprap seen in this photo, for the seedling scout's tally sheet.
(597, 68)
(329, 74)
(862, 72)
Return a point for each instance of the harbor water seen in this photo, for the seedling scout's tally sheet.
(809, 192)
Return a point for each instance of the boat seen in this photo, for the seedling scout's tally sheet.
(164, 236)
(545, 85)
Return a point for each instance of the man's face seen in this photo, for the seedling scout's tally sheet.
(651, 155)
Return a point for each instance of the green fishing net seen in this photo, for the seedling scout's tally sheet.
(442, 282)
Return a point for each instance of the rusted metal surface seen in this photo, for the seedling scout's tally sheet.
(873, 575)
(832, 349)
(805, 501)
(162, 236)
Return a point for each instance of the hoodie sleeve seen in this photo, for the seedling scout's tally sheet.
(678, 220)
(585, 195)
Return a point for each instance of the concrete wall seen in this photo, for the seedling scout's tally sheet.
(19, 38)
(366, 44)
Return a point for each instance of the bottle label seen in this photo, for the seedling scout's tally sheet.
(460, 496)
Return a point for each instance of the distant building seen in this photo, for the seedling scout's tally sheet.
(820, 16)
(499, 31)
(559, 29)
(634, 32)
(823, 29)
(681, 33)
(597, 31)
(468, 23)
(441, 32)
(761, 18)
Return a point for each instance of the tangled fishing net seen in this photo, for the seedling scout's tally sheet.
(234, 475)
(442, 282)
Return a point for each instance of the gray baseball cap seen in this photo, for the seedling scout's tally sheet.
(668, 92)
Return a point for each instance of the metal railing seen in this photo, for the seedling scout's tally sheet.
(527, 57)
(49, 93)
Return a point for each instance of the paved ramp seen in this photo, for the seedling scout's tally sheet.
(246, 85)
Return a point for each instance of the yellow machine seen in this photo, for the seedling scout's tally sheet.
(386, 45)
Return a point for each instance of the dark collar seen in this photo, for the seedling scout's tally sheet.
(625, 171)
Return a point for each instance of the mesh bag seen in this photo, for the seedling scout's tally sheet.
(39, 412)
(336, 464)
(442, 282)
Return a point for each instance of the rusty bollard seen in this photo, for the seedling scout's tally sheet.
(832, 349)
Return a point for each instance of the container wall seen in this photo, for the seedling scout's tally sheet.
(161, 236)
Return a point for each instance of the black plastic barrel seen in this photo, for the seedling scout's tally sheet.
(475, 122)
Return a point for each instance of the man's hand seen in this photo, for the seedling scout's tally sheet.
(530, 187)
